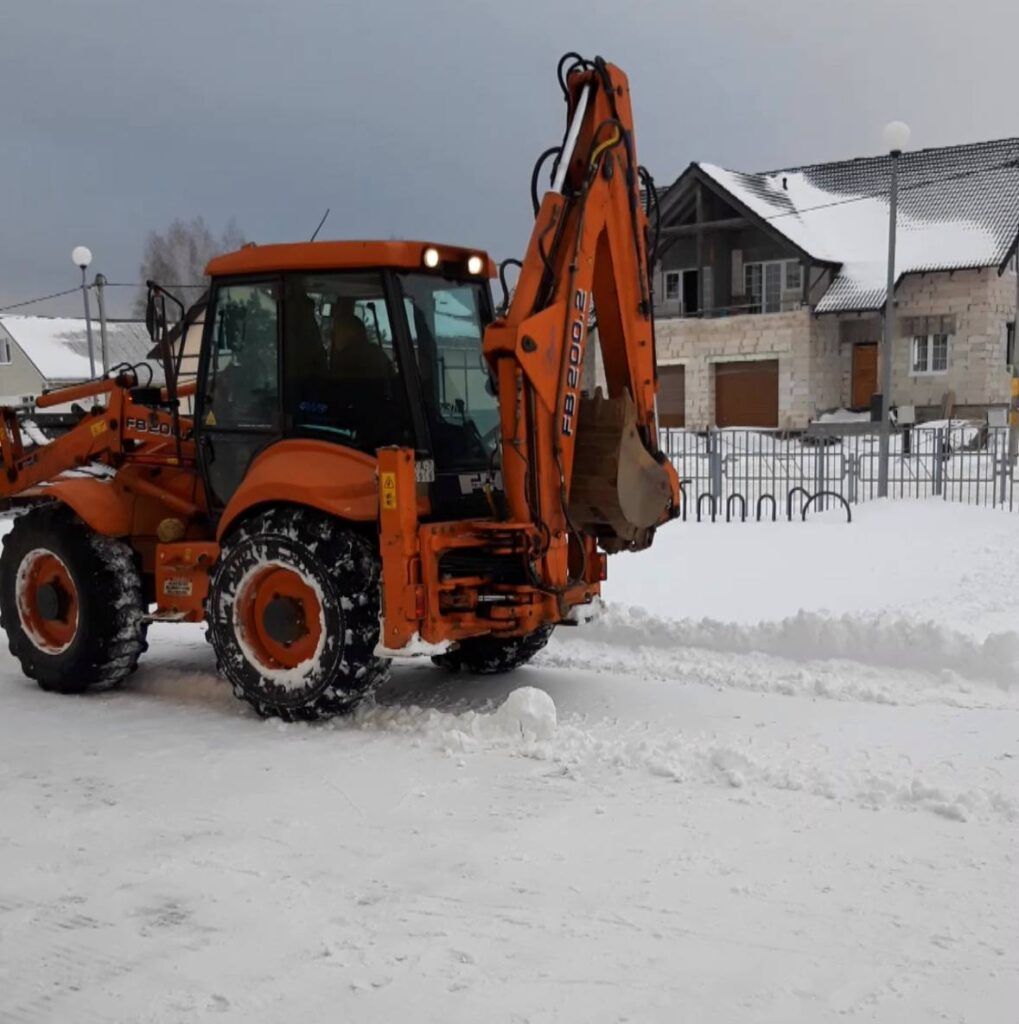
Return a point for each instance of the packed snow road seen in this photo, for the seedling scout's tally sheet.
(802, 809)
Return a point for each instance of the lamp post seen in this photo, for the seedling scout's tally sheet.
(896, 137)
(82, 257)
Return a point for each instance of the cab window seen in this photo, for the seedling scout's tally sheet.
(343, 379)
(446, 320)
(242, 382)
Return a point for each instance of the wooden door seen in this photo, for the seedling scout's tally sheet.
(864, 374)
(672, 396)
(746, 393)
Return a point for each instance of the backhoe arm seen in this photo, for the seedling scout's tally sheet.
(576, 464)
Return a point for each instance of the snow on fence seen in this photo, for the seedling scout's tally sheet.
(742, 473)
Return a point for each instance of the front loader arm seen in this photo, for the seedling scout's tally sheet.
(91, 440)
(576, 464)
(123, 430)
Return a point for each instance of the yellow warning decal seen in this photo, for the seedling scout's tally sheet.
(388, 481)
(210, 419)
(98, 428)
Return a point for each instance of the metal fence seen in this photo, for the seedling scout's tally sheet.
(739, 473)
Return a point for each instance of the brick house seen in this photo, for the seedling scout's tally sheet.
(770, 287)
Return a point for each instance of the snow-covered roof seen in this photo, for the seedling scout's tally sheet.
(58, 346)
(958, 209)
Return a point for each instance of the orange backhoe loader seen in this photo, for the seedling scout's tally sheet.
(377, 464)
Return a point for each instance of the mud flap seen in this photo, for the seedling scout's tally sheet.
(619, 492)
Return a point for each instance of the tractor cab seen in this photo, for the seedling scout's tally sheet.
(365, 345)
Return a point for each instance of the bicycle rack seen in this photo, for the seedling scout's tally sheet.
(774, 506)
(827, 494)
(789, 500)
(714, 505)
(742, 503)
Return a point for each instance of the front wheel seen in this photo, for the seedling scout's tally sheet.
(490, 655)
(293, 614)
(70, 601)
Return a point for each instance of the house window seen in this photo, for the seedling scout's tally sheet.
(1010, 344)
(681, 286)
(930, 353)
(764, 283)
(793, 276)
(5, 350)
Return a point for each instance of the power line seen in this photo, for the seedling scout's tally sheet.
(960, 175)
(141, 284)
(41, 298)
(109, 284)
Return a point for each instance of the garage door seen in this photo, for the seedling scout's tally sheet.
(746, 394)
(672, 396)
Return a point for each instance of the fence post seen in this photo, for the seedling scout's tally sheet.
(939, 464)
(819, 473)
(852, 476)
(715, 463)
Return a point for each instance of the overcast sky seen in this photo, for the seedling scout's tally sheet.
(422, 118)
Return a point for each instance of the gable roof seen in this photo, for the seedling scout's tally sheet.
(958, 209)
(58, 346)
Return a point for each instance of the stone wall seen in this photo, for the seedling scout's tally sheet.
(807, 350)
(981, 303)
(815, 354)
(977, 372)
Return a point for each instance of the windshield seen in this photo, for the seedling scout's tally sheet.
(446, 322)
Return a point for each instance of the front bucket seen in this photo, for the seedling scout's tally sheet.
(619, 492)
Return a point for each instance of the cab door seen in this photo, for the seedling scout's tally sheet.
(238, 411)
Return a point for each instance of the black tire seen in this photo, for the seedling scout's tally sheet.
(490, 655)
(343, 570)
(109, 634)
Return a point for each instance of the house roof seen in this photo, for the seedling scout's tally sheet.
(58, 346)
(958, 209)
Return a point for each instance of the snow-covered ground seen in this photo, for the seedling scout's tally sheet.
(782, 786)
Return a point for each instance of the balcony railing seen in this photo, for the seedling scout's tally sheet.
(673, 308)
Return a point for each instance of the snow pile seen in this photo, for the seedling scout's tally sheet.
(878, 640)
(525, 718)
(843, 416)
(529, 712)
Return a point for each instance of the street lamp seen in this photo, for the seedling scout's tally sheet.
(896, 138)
(81, 255)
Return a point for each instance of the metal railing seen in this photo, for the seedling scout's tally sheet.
(750, 473)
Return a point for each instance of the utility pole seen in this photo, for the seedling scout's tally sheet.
(896, 135)
(100, 283)
(82, 257)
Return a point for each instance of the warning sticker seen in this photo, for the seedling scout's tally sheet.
(98, 428)
(210, 419)
(177, 586)
(388, 485)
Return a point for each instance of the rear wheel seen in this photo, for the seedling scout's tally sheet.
(489, 655)
(293, 613)
(70, 601)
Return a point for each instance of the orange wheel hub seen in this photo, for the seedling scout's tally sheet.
(280, 615)
(47, 601)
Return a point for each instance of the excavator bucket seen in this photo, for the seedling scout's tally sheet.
(620, 492)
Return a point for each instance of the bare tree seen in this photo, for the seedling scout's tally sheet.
(178, 255)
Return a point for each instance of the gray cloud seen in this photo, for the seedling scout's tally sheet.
(422, 119)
